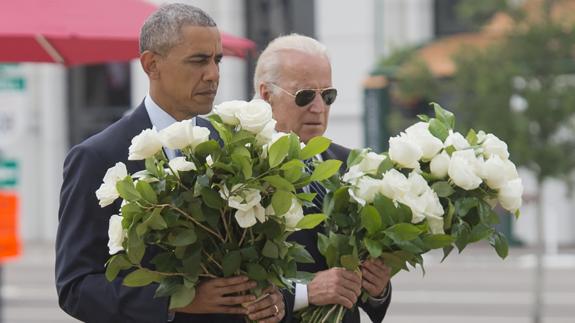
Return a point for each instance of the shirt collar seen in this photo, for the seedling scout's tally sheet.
(159, 117)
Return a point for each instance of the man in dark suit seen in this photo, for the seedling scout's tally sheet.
(180, 52)
(293, 74)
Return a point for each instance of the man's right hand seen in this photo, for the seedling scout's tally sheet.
(221, 295)
(334, 286)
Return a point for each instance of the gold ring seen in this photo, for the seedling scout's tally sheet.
(277, 309)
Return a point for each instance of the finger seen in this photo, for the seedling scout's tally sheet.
(345, 301)
(268, 311)
(236, 300)
(273, 319)
(381, 272)
(370, 288)
(350, 295)
(232, 289)
(229, 281)
(349, 275)
(370, 276)
(261, 304)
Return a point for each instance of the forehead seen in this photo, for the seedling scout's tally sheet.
(301, 69)
(200, 39)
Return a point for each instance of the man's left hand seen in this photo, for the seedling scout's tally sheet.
(375, 277)
(270, 309)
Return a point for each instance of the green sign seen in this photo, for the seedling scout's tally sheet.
(12, 84)
(8, 173)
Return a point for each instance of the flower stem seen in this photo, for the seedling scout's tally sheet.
(195, 221)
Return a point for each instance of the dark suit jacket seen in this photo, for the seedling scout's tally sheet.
(308, 238)
(81, 244)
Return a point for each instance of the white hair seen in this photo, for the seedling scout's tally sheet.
(270, 60)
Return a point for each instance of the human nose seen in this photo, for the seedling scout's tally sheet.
(212, 73)
(317, 104)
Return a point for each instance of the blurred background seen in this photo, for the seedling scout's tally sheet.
(504, 66)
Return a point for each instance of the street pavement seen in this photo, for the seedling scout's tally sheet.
(473, 287)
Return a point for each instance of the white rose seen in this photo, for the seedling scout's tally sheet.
(494, 146)
(209, 160)
(294, 215)
(481, 136)
(439, 165)
(180, 164)
(462, 169)
(456, 140)
(255, 115)
(429, 144)
(352, 175)
(182, 134)
(247, 218)
(370, 163)
(417, 184)
(107, 193)
(116, 234)
(366, 189)
(394, 185)
(510, 195)
(243, 200)
(497, 172)
(265, 136)
(144, 145)
(404, 151)
(228, 111)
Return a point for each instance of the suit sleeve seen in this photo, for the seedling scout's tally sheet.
(81, 252)
(377, 313)
(289, 302)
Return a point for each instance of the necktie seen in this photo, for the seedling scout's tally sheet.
(315, 187)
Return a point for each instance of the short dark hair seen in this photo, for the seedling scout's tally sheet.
(162, 29)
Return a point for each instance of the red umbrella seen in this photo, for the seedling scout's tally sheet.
(75, 32)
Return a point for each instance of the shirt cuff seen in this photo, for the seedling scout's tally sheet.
(300, 301)
(376, 301)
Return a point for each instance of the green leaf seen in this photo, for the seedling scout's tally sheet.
(244, 163)
(223, 131)
(385, 207)
(256, 272)
(438, 129)
(461, 232)
(279, 182)
(463, 205)
(182, 297)
(182, 237)
(446, 251)
(349, 262)
(127, 190)
(147, 192)
(151, 166)
(471, 137)
(370, 219)
(294, 163)
(444, 116)
(306, 196)
(206, 148)
(231, 262)
(480, 232)
(355, 157)
(141, 277)
(168, 286)
(403, 232)
(115, 264)
(300, 254)
(442, 189)
(136, 247)
(436, 241)
(423, 117)
(499, 242)
(314, 146)
(212, 198)
(278, 151)
(448, 217)
(325, 170)
(310, 221)
(270, 250)
(281, 202)
(373, 247)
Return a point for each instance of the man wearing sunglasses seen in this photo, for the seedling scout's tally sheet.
(293, 74)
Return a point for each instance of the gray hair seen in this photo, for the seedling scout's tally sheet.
(268, 65)
(162, 30)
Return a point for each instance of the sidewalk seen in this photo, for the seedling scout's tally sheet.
(473, 287)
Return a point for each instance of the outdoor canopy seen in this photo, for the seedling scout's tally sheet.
(73, 32)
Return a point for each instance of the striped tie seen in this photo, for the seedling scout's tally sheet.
(315, 187)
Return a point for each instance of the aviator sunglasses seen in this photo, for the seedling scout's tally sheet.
(304, 97)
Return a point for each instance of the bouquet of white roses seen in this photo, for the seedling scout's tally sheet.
(433, 189)
(220, 209)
